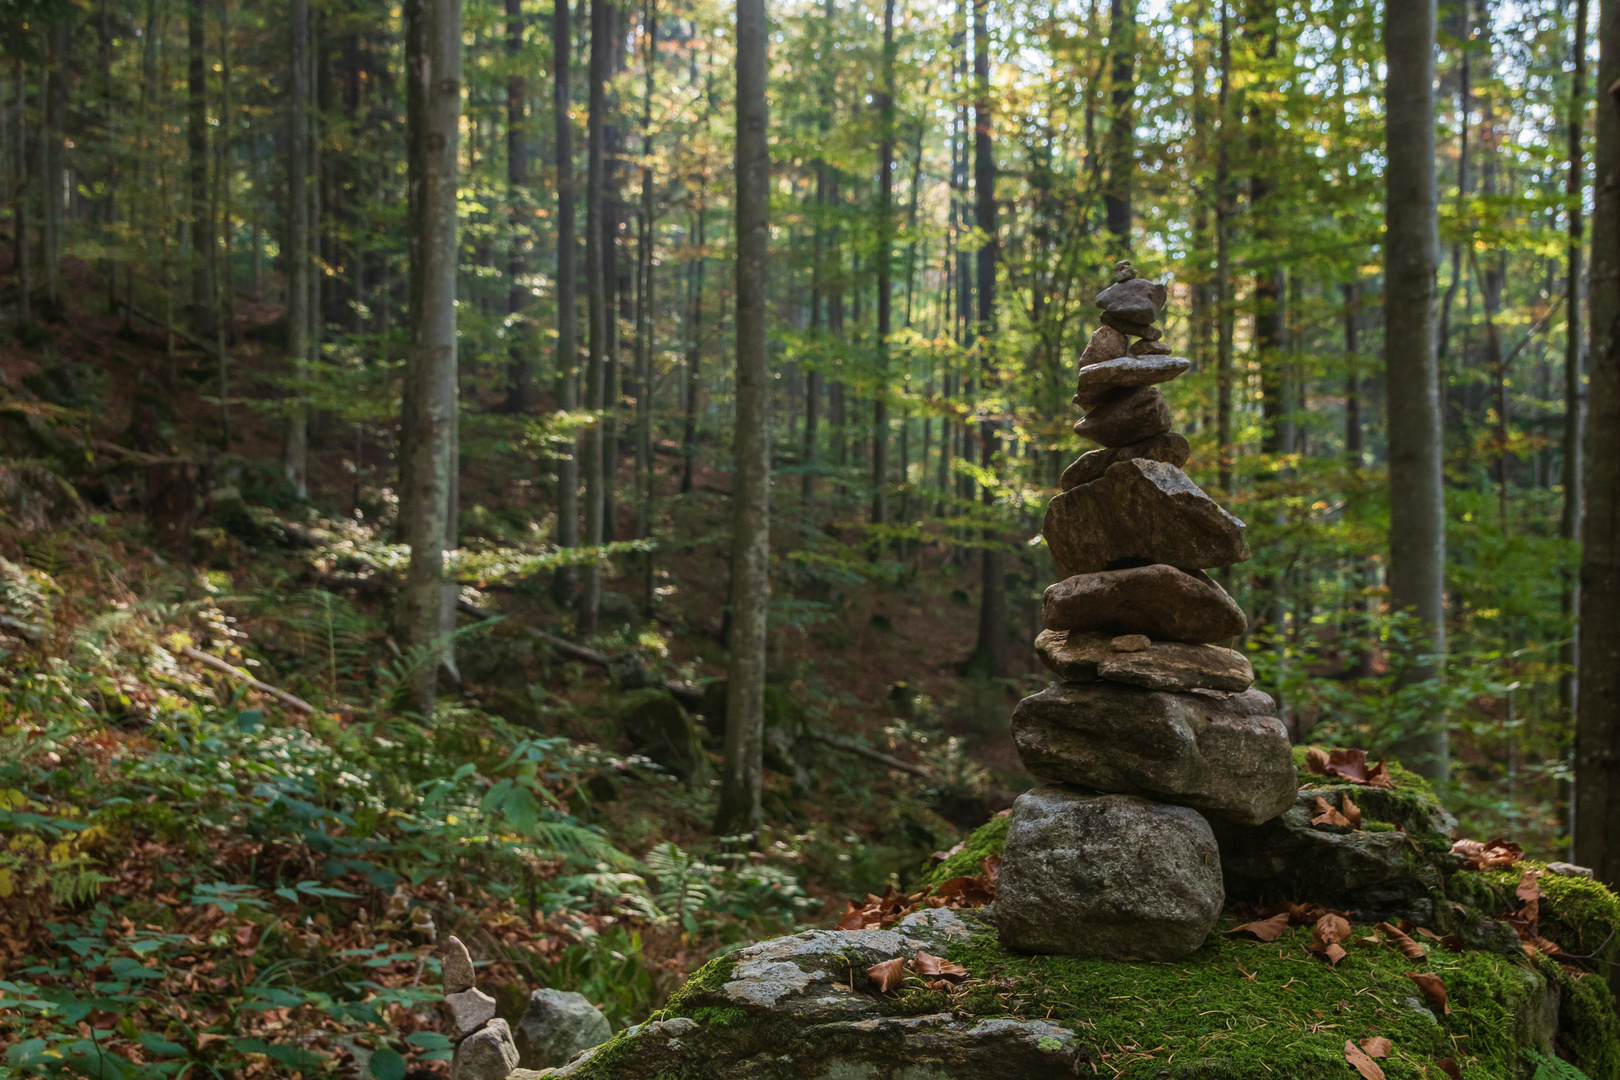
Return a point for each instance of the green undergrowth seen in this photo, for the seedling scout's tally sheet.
(988, 839)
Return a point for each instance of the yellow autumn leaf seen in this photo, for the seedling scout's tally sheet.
(7, 885)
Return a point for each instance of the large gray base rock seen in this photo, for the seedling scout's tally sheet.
(486, 1054)
(1141, 511)
(1224, 753)
(556, 1026)
(1160, 601)
(1086, 656)
(802, 1008)
(1106, 875)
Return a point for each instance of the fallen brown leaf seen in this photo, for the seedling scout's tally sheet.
(888, 974)
(929, 964)
(1330, 932)
(1351, 811)
(1430, 934)
(1529, 894)
(1327, 815)
(1264, 929)
(1491, 854)
(1348, 765)
(1432, 986)
(1449, 1067)
(1412, 949)
(1377, 1046)
(1363, 1064)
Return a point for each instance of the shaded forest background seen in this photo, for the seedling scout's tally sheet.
(208, 270)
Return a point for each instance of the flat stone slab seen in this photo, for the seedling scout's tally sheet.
(1160, 601)
(1097, 381)
(1224, 753)
(1126, 417)
(1106, 875)
(1171, 448)
(1141, 511)
(803, 1008)
(1088, 655)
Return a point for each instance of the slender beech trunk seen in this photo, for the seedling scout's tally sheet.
(885, 291)
(520, 365)
(1223, 264)
(991, 650)
(433, 110)
(1117, 197)
(694, 352)
(644, 304)
(596, 240)
(751, 524)
(1597, 727)
(1417, 536)
(295, 448)
(1352, 376)
(19, 213)
(567, 360)
(200, 213)
(1569, 525)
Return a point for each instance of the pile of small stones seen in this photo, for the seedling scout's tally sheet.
(1154, 725)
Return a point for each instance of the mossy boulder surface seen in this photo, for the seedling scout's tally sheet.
(804, 1007)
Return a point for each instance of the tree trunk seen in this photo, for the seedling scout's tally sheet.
(1417, 536)
(644, 304)
(1569, 525)
(751, 524)
(694, 354)
(885, 297)
(1117, 197)
(1223, 266)
(1597, 729)
(990, 652)
(562, 44)
(433, 109)
(596, 239)
(201, 215)
(19, 235)
(520, 366)
(295, 449)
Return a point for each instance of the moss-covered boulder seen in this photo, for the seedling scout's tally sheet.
(805, 1007)
(660, 728)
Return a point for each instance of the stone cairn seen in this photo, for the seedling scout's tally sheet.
(1155, 725)
(484, 1046)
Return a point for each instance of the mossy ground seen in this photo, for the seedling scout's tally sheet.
(988, 839)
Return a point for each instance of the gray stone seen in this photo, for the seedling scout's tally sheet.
(1149, 348)
(811, 1013)
(1096, 382)
(456, 966)
(556, 1026)
(1564, 869)
(1224, 753)
(1126, 417)
(486, 1054)
(468, 1011)
(1146, 331)
(1106, 875)
(1170, 448)
(661, 729)
(1137, 300)
(1397, 859)
(1086, 656)
(1141, 511)
(1106, 344)
(1160, 601)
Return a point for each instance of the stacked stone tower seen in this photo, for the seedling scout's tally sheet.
(1154, 725)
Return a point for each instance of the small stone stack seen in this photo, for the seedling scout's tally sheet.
(484, 1047)
(1154, 725)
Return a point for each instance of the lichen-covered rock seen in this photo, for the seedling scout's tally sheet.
(1126, 417)
(486, 1054)
(1169, 447)
(556, 1026)
(468, 1011)
(456, 966)
(1224, 753)
(1141, 510)
(1160, 601)
(1106, 875)
(1086, 656)
(803, 1008)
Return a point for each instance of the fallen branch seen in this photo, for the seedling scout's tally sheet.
(237, 673)
(189, 337)
(869, 754)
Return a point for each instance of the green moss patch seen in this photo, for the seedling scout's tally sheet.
(988, 839)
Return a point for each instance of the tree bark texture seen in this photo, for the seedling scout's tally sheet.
(295, 449)
(562, 43)
(433, 109)
(1122, 47)
(1417, 533)
(596, 303)
(520, 367)
(200, 212)
(1597, 730)
(885, 292)
(751, 522)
